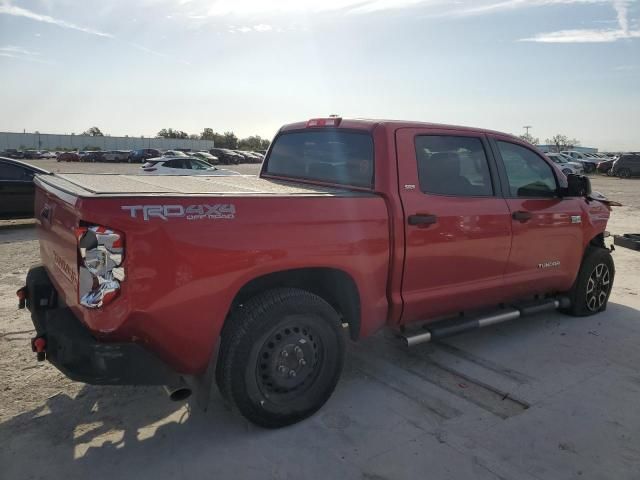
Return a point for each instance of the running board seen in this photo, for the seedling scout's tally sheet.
(446, 328)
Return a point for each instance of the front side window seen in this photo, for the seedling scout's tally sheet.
(199, 165)
(527, 173)
(331, 156)
(452, 165)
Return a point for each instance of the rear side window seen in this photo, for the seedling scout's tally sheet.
(331, 156)
(13, 172)
(527, 173)
(451, 165)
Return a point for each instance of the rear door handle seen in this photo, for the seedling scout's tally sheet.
(522, 216)
(420, 219)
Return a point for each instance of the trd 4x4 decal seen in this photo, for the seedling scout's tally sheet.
(191, 212)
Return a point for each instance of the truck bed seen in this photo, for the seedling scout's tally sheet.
(118, 185)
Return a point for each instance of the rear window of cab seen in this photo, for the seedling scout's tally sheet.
(329, 155)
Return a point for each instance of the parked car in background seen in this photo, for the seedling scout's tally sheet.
(116, 156)
(252, 157)
(246, 158)
(12, 153)
(605, 166)
(174, 153)
(226, 156)
(143, 154)
(628, 165)
(69, 157)
(96, 156)
(206, 156)
(182, 166)
(566, 166)
(31, 154)
(17, 188)
(48, 154)
(589, 163)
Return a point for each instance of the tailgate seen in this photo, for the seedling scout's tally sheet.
(57, 217)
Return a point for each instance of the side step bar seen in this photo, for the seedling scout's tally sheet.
(446, 328)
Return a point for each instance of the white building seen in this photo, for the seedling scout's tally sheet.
(46, 141)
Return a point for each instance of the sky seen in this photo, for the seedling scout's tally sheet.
(250, 66)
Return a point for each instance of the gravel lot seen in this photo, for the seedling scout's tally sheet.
(551, 397)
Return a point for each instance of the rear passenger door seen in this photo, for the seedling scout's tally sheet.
(547, 233)
(457, 226)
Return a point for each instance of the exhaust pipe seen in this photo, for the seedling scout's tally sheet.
(179, 392)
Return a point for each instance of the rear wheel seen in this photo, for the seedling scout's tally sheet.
(591, 290)
(281, 356)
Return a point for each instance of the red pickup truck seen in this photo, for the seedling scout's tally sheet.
(351, 226)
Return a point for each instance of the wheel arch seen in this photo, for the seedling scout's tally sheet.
(335, 286)
(597, 241)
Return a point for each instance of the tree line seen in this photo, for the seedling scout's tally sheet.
(559, 141)
(220, 140)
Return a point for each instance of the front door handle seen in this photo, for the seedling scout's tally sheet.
(420, 219)
(522, 216)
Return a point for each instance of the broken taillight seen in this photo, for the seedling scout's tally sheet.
(101, 253)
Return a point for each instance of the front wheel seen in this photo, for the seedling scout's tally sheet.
(281, 356)
(591, 290)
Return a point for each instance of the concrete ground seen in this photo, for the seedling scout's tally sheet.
(549, 397)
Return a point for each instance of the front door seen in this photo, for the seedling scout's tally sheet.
(547, 229)
(458, 227)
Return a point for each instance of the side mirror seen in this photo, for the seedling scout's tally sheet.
(577, 186)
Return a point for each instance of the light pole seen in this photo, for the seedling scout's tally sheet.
(527, 127)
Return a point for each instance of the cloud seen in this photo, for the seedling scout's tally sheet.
(593, 35)
(12, 49)
(582, 36)
(491, 7)
(240, 8)
(20, 53)
(622, 9)
(260, 28)
(9, 9)
(219, 8)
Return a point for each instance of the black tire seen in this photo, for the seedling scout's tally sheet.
(256, 376)
(624, 173)
(590, 292)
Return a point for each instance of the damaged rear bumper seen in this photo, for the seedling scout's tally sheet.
(69, 346)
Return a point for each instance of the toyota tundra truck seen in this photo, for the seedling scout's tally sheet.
(255, 283)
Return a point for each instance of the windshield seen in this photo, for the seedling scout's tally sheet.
(331, 156)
